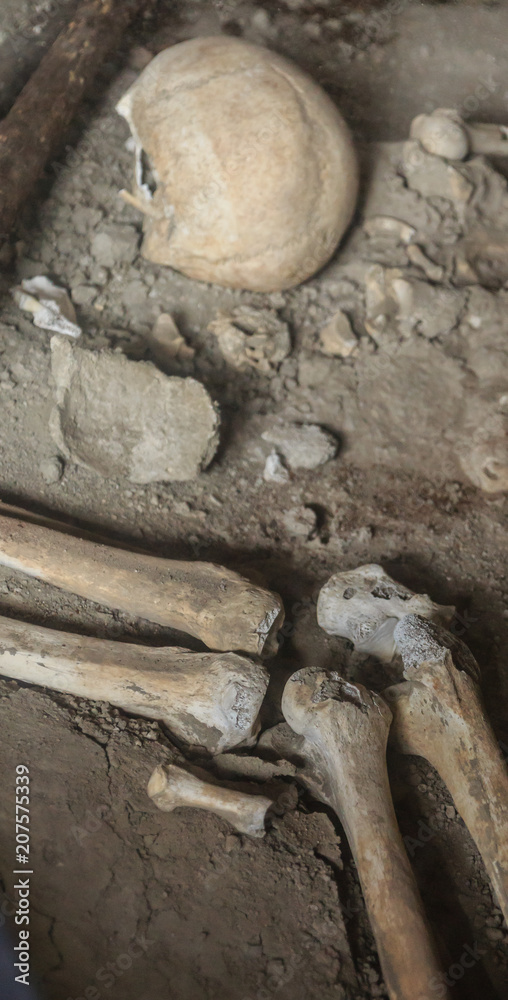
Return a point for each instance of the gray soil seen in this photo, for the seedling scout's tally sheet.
(133, 904)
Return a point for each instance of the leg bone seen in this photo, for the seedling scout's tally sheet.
(365, 604)
(209, 699)
(171, 787)
(346, 731)
(212, 603)
(438, 714)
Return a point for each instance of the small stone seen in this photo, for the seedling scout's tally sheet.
(304, 446)
(275, 471)
(83, 295)
(126, 419)
(494, 934)
(114, 245)
(450, 812)
(300, 521)
(52, 469)
(260, 20)
(336, 338)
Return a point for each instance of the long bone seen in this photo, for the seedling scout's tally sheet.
(346, 730)
(207, 601)
(438, 714)
(365, 604)
(171, 787)
(208, 699)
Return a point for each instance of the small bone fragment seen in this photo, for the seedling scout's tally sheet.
(170, 787)
(303, 446)
(207, 699)
(434, 272)
(438, 714)
(252, 338)
(166, 341)
(433, 177)
(336, 338)
(210, 602)
(386, 225)
(345, 727)
(50, 305)
(365, 604)
(444, 133)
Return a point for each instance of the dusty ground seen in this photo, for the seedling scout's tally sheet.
(217, 914)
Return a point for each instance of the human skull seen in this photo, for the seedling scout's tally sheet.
(255, 170)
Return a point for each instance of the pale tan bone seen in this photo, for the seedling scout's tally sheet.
(209, 699)
(365, 604)
(171, 787)
(438, 714)
(445, 133)
(207, 601)
(346, 730)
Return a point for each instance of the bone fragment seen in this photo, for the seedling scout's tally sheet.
(346, 730)
(205, 699)
(170, 787)
(204, 600)
(438, 714)
(365, 604)
(49, 305)
(444, 133)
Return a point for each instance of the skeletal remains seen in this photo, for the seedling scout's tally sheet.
(338, 729)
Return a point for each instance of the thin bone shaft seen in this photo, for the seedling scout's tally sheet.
(207, 601)
(455, 737)
(171, 787)
(350, 741)
(208, 699)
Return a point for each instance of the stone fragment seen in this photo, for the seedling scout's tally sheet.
(336, 338)
(303, 446)
(254, 338)
(126, 419)
(300, 522)
(52, 469)
(275, 471)
(115, 244)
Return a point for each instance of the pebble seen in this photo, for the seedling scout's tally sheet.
(304, 446)
(52, 469)
(275, 471)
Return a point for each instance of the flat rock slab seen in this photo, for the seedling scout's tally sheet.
(127, 420)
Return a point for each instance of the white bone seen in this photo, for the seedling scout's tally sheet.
(345, 727)
(208, 699)
(170, 787)
(365, 604)
(444, 133)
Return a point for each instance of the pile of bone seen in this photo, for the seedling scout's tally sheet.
(339, 729)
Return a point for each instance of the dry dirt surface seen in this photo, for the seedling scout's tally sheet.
(129, 903)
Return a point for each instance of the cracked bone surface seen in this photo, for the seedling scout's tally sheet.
(210, 602)
(206, 699)
(346, 731)
(170, 787)
(438, 714)
(444, 133)
(365, 604)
